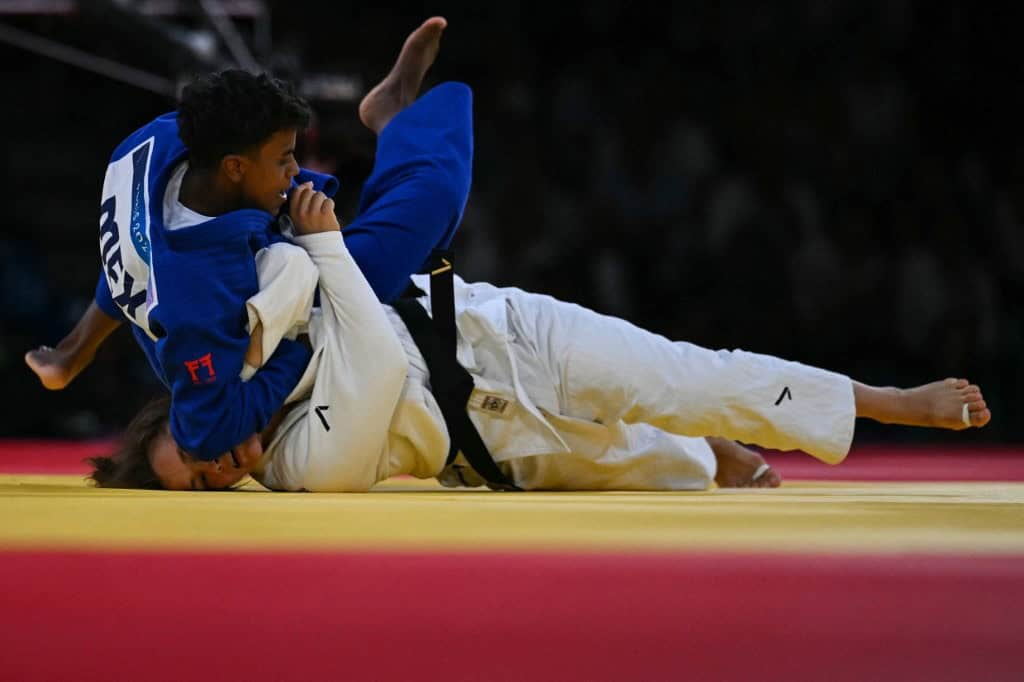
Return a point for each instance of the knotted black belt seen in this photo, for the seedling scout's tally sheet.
(450, 383)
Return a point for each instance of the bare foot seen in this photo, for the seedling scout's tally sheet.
(54, 368)
(953, 404)
(738, 466)
(402, 84)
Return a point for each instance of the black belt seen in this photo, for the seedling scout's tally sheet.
(450, 383)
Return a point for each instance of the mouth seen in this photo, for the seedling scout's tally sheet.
(280, 201)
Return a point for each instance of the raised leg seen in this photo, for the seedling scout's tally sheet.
(401, 86)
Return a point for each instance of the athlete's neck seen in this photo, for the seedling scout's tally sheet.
(207, 193)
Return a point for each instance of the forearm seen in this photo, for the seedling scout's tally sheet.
(210, 417)
(281, 308)
(254, 353)
(361, 373)
(89, 333)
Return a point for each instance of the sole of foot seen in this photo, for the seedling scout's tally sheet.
(401, 86)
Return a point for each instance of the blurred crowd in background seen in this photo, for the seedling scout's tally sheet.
(836, 182)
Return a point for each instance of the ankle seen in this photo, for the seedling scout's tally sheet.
(879, 403)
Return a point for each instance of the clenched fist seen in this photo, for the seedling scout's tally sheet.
(312, 211)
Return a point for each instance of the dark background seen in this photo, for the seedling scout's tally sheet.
(833, 182)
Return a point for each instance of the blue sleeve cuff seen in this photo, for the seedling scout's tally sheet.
(104, 301)
(328, 184)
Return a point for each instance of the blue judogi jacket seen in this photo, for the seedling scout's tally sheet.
(184, 291)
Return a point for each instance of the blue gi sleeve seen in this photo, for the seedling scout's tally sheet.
(211, 413)
(104, 300)
(200, 320)
(413, 201)
(328, 184)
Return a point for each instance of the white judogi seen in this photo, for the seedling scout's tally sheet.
(565, 398)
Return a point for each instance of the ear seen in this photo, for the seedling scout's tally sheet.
(233, 166)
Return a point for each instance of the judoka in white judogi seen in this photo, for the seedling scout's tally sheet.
(565, 398)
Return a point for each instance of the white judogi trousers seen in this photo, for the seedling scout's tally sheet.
(565, 398)
(608, 405)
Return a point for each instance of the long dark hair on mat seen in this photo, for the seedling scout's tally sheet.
(129, 466)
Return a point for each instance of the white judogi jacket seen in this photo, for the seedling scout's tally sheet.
(360, 347)
(564, 398)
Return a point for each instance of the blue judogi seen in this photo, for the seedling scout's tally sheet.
(185, 290)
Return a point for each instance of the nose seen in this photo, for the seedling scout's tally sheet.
(211, 466)
(219, 465)
(224, 478)
(221, 473)
(224, 462)
(249, 451)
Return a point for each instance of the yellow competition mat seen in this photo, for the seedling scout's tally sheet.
(63, 512)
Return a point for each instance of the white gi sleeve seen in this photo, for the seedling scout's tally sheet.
(288, 280)
(339, 444)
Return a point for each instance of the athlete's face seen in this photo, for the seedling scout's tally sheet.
(269, 170)
(177, 470)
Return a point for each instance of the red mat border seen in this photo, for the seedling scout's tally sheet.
(504, 616)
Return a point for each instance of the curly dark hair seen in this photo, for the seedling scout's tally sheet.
(234, 111)
(129, 466)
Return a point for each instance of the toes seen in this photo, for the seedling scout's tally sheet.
(38, 354)
(969, 390)
(769, 480)
(964, 387)
(981, 417)
(970, 398)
